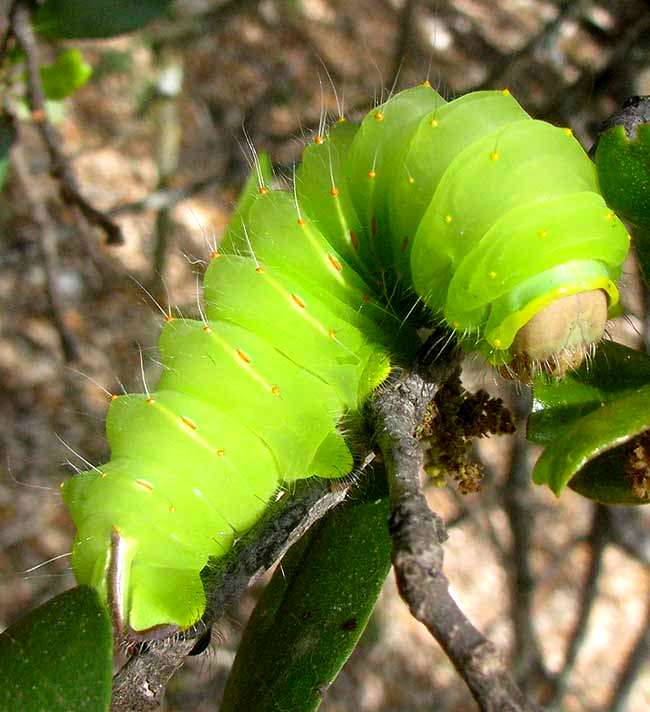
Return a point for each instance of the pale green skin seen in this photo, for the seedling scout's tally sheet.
(299, 328)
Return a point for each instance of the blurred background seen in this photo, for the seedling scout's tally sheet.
(159, 139)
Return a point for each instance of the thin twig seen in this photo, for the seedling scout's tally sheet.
(417, 555)
(631, 668)
(518, 505)
(169, 64)
(22, 30)
(47, 242)
(403, 44)
(567, 9)
(6, 32)
(598, 538)
(630, 530)
(166, 198)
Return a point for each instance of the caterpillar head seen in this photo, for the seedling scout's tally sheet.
(545, 323)
(559, 337)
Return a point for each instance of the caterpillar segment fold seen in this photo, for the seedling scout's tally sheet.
(490, 218)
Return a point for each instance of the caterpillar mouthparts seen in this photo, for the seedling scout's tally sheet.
(559, 337)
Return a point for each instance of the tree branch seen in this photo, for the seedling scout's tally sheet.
(518, 506)
(598, 539)
(631, 668)
(141, 683)
(403, 43)
(417, 557)
(21, 28)
(417, 537)
(630, 530)
(166, 198)
(567, 8)
(47, 243)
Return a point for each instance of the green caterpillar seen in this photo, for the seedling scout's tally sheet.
(488, 217)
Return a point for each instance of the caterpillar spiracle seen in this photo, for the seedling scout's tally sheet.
(491, 219)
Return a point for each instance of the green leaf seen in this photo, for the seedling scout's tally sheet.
(605, 480)
(58, 657)
(65, 75)
(314, 609)
(573, 457)
(624, 172)
(623, 167)
(74, 19)
(614, 372)
(585, 421)
(7, 137)
(4, 171)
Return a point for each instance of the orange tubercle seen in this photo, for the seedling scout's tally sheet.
(335, 263)
(189, 422)
(243, 356)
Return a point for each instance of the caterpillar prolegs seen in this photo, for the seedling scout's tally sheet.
(491, 219)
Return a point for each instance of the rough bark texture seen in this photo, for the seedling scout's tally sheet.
(418, 534)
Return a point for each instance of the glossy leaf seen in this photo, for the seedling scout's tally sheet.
(100, 18)
(615, 371)
(58, 657)
(313, 611)
(605, 480)
(585, 421)
(589, 437)
(623, 166)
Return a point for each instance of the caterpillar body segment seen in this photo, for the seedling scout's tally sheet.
(299, 325)
(250, 399)
(376, 155)
(322, 173)
(444, 132)
(489, 217)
